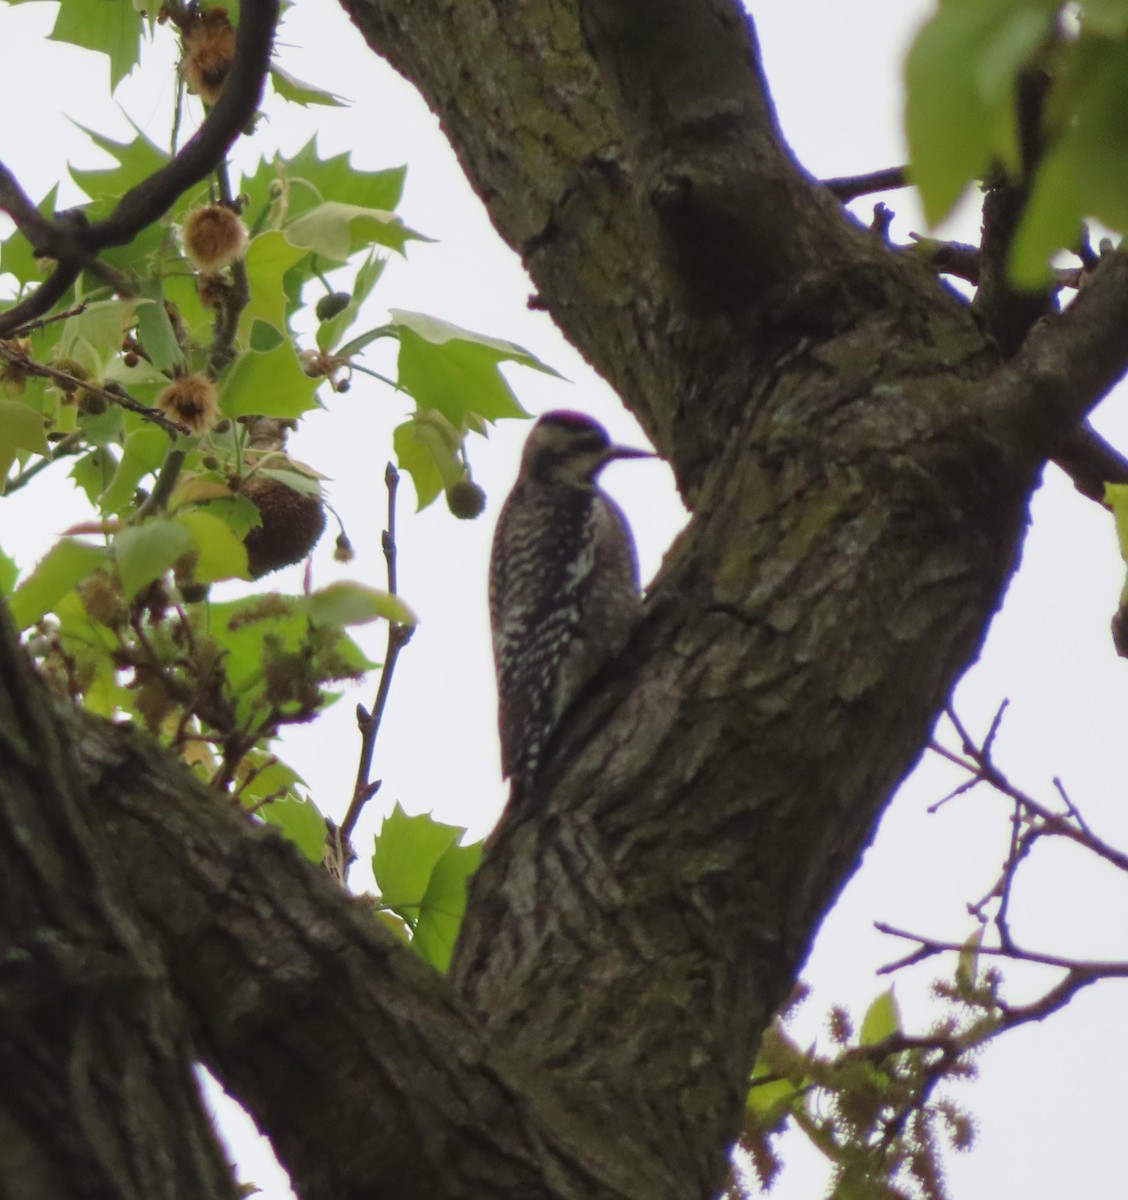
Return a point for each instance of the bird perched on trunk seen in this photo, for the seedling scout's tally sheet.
(564, 589)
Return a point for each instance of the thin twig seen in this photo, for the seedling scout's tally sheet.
(850, 187)
(72, 383)
(929, 947)
(369, 722)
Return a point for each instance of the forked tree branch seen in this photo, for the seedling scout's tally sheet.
(74, 244)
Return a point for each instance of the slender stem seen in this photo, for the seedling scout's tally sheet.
(166, 481)
(369, 722)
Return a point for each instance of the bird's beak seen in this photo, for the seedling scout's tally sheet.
(614, 452)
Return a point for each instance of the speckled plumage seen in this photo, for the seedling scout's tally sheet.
(563, 584)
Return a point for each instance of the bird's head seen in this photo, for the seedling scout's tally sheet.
(568, 447)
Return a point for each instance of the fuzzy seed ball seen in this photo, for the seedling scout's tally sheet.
(208, 52)
(291, 524)
(192, 400)
(214, 238)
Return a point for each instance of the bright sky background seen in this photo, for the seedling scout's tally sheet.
(1049, 1106)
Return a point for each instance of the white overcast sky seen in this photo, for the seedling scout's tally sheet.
(1049, 1105)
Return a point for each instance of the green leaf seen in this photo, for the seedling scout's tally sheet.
(155, 330)
(254, 629)
(144, 552)
(967, 967)
(21, 428)
(882, 1019)
(269, 257)
(354, 604)
(94, 472)
(307, 179)
(142, 455)
(268, 384)
(406, 852)
(444, 903)
(766, 1099)
(63, 567)
(219, 553)
(329, 333)
(94, 334)
(334, 230)
(113, 29)
(299, 821)
(430, 455)
(960, 80)
(301, 93)
(136, 160)
(456, 371)
(1116, 497)
(9, 573)
(1085, 172)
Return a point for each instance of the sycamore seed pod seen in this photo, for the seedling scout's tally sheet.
(291, 524)
(208, 41)
(465, 499)
(192, 400)
(214, 238)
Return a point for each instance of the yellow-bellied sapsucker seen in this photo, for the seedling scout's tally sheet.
(563, 584)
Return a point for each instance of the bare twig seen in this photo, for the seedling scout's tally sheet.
(850, 187)
(369, 722)
(115, 395)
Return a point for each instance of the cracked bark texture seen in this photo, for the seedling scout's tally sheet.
(858, 462)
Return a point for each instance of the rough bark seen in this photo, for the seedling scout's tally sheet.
(858, 463)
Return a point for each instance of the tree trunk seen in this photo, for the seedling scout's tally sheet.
(858, 464)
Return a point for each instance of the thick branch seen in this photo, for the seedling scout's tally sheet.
(370, 1076)
(97, 1097)
(1066, 365)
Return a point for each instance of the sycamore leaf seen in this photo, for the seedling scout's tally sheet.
(220, 554)
(406, 851)
(21, 428)
(882, 1019)
(444, 903)
(456, 371)
(334, 230)
(144, 552)
(345, 603)
(268, 384)
(298, 92)
(960, 81)
(113, 29)
(307, 179)
(269, 257)
(329, 333)
(1085, 171)
(65, 565)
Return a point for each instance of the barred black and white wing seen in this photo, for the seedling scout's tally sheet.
(563, 596)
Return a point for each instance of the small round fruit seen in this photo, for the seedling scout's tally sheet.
(465, 499)
(332, 304)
